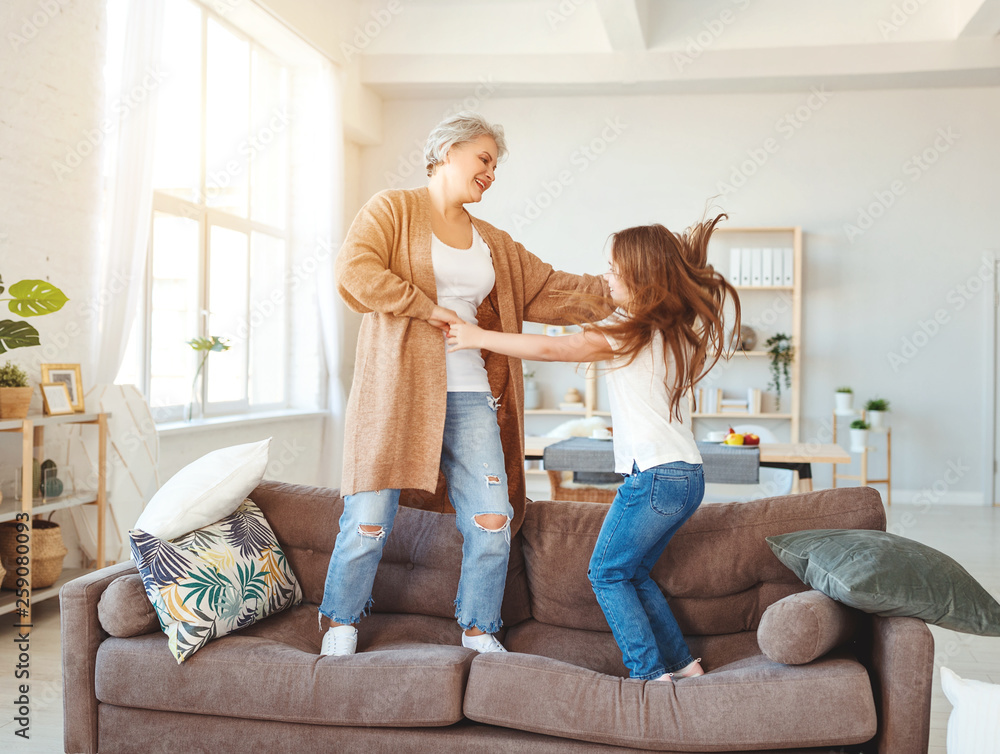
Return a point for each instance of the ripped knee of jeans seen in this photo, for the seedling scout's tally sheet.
(494, 523)
(371, 531)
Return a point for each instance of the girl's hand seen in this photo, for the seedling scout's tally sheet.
(464, 336)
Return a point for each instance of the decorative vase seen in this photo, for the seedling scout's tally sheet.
(844, 401)
(859, 440)
(748, 338)
(878, 419)
(14, 402)
(532, 397)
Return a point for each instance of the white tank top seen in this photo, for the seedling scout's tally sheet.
(645, 431)
(464, 277)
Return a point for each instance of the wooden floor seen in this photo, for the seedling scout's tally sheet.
(970, 535)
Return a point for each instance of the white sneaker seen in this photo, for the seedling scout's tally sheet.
(340, 641)
(482, 643)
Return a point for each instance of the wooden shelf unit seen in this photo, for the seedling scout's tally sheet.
(32, 430)
(862, 476)
(791, 400)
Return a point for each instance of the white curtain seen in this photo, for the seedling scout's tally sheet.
(318, 201)
(131, 107)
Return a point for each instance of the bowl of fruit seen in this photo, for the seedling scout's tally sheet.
(741, 438)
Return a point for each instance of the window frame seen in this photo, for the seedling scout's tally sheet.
(207, 217)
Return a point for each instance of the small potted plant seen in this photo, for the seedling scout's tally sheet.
(844, 398)
(875, 411)
(15, 392)
(859, 435)
(782, 354)
(532, 398)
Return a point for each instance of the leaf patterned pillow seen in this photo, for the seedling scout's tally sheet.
(215, 580)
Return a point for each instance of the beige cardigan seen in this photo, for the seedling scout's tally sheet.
(395, 415)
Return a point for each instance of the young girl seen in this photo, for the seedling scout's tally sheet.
(666, 333)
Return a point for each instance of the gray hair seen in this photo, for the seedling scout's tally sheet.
(458, 129)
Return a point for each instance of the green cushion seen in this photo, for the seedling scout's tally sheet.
(889, 575)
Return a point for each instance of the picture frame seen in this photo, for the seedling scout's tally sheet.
(56, 399)
(69, 374)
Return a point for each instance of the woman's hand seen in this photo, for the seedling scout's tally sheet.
(443, 318)
(464, 336)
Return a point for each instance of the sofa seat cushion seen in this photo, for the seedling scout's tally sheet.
(273, 671)
(745, 700)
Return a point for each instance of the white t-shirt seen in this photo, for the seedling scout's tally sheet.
(464, 277)
(645, 431)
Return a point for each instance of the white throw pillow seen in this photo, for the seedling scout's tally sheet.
(205, 490)
(974, 725)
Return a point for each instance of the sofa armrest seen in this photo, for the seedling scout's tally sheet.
(81, 636)
(902, 670)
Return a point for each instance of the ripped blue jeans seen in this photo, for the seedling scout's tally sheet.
(473, 464)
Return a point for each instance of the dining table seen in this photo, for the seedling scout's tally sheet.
(592, 460)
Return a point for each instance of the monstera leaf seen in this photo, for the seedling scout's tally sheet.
(16, 335)
(33, 298)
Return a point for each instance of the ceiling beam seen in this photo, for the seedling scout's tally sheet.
(966, 62)
(978, 18)
(625, 23)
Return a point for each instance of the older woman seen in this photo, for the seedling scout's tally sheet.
(415, 261)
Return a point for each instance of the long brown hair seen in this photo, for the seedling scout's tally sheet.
(673, 290)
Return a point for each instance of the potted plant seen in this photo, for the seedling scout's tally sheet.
(532, 398)
(28, 298)
(844, 398)
(859, 435)
(875, 411)
(782, 353)
(15, 392)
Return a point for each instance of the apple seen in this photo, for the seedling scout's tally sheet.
(751, 439)
(733, 438)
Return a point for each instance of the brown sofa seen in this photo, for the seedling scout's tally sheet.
(561, 688)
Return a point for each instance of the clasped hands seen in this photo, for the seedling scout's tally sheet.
(459, 333)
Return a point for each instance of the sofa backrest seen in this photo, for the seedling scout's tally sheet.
(421, 562)
(717, 572)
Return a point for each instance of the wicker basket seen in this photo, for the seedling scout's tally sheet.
(14, 402)
(578, 494)
(47, 553)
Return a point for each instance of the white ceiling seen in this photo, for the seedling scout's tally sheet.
(422, 48)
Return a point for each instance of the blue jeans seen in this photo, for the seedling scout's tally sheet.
(473, 464)
(647, 511)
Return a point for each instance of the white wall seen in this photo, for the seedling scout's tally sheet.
(51, 106)
(661, 158)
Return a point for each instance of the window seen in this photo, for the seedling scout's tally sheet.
(220, 253)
